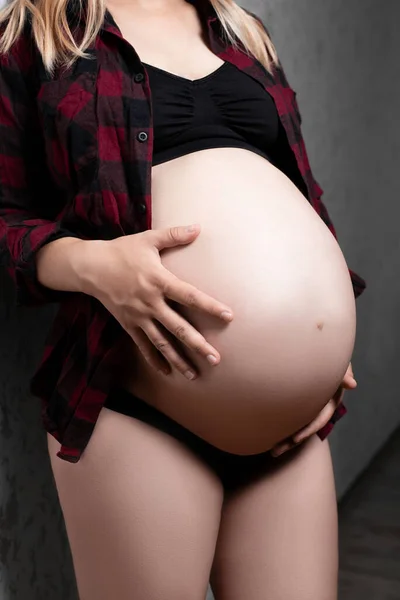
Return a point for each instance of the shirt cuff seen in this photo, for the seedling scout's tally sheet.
(337, 415)
(30, 292)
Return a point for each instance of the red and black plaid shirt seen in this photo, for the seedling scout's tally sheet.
(75, 160)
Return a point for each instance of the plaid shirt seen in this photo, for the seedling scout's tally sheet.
(75, 160)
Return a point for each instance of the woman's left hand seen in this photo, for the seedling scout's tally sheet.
(348, 383)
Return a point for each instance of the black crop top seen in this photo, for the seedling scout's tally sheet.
(224, 109)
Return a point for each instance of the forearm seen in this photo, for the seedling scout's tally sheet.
(64, 265)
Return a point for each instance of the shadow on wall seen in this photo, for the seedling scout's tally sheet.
(34, 557)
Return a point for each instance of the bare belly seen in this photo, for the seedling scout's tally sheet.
(265, 252)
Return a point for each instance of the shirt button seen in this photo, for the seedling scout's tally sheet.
(142, 136)
(139, 77)
(142, 209)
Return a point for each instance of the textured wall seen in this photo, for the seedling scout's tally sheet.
(34, 558)
(342, 58)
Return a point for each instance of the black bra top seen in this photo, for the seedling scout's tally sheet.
(224, 109)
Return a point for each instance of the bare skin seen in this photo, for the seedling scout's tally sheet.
(144, 515)
(147, 519)
(258, 252)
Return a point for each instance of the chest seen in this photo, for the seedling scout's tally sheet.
(97, 119)
(174, 41)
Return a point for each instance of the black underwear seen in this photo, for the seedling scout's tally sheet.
(233, 470)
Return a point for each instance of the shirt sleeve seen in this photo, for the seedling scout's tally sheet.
(29, 202)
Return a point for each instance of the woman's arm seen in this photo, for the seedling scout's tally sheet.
(28, 200)
(60, 265)
(47, 261)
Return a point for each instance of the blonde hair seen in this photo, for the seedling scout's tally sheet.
(57, 45)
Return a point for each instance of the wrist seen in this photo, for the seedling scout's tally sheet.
(86, 263)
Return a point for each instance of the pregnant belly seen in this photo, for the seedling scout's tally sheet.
(265, 252)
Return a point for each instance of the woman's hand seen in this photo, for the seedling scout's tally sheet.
(126, 275)
(348, 383)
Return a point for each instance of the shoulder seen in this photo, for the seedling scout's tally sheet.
(23, 56)
(258, 19)
(278, 70)
(20, 69)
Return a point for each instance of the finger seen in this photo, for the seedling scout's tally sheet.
(338, 396)
(164, 346)
(283, 448)
(189, 296)
(149, 352)
(174, 236)
(349, 383)
(315, 426)
(188, 335)
(323, 418)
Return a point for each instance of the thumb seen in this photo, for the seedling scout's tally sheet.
(349, 381)
(175, 236)
(350, 371)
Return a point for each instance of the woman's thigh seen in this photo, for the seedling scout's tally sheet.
(142, 513)
(278, 536)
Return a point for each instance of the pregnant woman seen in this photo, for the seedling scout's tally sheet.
(154, 182)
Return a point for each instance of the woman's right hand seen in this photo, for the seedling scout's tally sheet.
(126, 275)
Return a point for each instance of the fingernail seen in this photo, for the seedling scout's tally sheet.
(190, 375)
(226, 315)
(212, 359)
(276, 453)
(282, 449)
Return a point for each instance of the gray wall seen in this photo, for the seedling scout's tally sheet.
(339, 56)
(34, 558)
